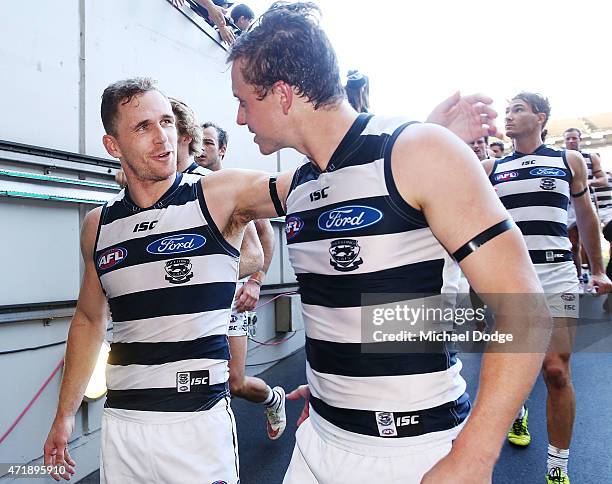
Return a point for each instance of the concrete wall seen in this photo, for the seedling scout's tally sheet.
(55, 60)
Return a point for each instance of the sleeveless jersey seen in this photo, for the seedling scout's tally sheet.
(169, 276)
(603, 198)
(196, 169)
(535, 189)
(349, 232)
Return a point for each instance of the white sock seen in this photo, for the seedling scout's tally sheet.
(557, 458)
(521, 413)
(273, 398)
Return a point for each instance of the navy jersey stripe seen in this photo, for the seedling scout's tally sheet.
(137, 253)
(554, 229)
(335, 220)
(359, 360)
(172, 301)
(443, 417)
(344, 291)
(369, 149)
(210, 347)
(535, 199)
(167, 399)
(525, 174)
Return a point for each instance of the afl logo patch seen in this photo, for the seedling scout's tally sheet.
(293, 226)
(508, 175)
(345, 255)
(111, 257)
(351, 217)
(176, 244)
(547, 172)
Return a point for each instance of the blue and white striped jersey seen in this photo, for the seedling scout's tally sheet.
(349, 232)
(535, 189)
(170, 277)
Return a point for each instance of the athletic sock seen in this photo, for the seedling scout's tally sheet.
(273, 398)
(557, 458)
(521, 413)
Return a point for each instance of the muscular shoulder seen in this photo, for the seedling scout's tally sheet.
(89, 231)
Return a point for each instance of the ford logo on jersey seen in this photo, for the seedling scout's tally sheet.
(547, 172)
(176, 244)
(351, 217)
(507, 175)
(111, 257)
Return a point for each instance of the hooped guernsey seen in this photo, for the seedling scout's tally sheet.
(170, 277)
(349, 232)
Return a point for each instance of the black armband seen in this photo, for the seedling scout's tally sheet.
(278, 206)
(578, 195)
(481, 239)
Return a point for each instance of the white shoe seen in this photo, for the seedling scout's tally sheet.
(277, 420)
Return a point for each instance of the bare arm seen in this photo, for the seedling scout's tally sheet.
(469, 206)
(587, 221)
(248, 295)
(599, 177)
(265, 232)
(251, 253)
(242, 195)
(87, 330)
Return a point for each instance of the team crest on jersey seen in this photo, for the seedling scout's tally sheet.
(350, 217)
(507, 175)
(345, 255)
(386, 424)
(178, 271)
(293, 226)
(547, 172)
(111, 257)
(176, 244)
(548, 183)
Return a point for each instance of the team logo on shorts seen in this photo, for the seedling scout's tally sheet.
(178, 271)
(111, 257)
(219, 482)
(507, 175)
(293, 226)
(345, 255)
(548, 183)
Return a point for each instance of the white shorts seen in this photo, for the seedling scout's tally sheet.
(326, 454)
(239, 322)
(169, 447)
(560, 284)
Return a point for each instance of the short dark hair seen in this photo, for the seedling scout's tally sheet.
(221, 133)
(242, 10)
(287, 44)
(120, 93)
(574, 129)
(499, 144)
(538, 103)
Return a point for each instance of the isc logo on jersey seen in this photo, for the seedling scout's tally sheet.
(111, 257)
(176, 244)
(351, 217)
